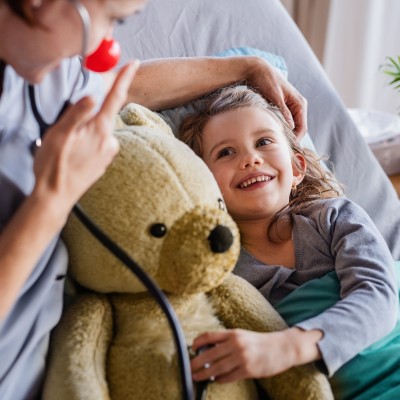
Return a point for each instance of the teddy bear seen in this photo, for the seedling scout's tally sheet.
(161, 204)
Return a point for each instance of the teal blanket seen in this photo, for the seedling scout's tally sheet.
(375, 372)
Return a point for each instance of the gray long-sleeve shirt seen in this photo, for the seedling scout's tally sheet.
(336, 235)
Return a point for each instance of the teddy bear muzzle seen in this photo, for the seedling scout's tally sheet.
(199, 251)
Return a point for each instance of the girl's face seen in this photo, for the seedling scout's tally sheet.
(250, 158)
(35, 51)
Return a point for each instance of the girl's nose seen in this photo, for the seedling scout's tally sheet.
(251, 159)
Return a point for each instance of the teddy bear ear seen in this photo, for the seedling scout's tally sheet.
(137, 115)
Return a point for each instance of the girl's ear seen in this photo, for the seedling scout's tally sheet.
(299, 165)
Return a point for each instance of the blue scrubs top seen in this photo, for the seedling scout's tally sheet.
(24, 333)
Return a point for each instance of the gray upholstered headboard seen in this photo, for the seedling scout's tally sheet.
(170, 28)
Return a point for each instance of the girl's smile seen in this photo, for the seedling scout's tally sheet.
(251, 160)
(255, 181)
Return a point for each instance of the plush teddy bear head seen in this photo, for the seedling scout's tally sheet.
(162, 205)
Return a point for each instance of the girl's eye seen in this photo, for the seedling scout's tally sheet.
(224, 152)
(263, 142)
(120, 21)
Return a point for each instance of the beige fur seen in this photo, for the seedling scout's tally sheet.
(115, 342)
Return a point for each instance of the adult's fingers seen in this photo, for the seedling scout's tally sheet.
(119, 90)
(298, 108)
(76, 115)
(209, 356)
(210, 338)
(222, 367)
(287, 114)
(300, 119)
(232, 375)
(300, 125)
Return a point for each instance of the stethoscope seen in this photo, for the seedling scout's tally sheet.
(103, 59)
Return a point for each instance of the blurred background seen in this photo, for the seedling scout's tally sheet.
(352, 40)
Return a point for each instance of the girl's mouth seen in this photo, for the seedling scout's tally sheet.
(254, 180)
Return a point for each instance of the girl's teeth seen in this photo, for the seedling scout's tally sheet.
(250, 181)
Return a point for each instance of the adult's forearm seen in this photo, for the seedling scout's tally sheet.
(22, 242)
(166, 83)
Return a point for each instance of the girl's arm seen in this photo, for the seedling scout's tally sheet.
(368, 305)
(74, 154)
(23, 240)
(167, 83)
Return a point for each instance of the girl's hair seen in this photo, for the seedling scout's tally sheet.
(317, 183)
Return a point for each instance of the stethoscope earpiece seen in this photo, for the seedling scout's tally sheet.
(105, 57)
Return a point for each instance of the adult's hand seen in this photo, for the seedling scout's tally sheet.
(74, 154)
(78, 148)
(165, 83)
(276, 89)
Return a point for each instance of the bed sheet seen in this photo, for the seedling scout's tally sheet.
(373, 373)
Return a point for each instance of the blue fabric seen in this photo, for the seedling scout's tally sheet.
(374, 373)
(273, 59)
(24, 332)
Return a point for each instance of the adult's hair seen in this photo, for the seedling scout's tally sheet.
(318, 181)
(23, 9)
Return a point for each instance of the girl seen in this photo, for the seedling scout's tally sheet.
(294, 227)
(41, 180)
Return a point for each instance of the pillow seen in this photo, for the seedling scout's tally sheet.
(273, 59)
(372, 374)
(174, 116)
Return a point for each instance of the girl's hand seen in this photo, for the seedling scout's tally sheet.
(77, 150)
(239, 354)
(276, 89)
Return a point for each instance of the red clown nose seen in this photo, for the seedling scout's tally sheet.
(105, 57)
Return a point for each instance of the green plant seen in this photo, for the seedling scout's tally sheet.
(392, 68)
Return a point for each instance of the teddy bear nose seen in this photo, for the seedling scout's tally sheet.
(220, 239)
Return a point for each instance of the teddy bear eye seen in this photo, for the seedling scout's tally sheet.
(221, 205)
(158, 230)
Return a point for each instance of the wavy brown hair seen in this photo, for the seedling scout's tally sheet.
(318, 181)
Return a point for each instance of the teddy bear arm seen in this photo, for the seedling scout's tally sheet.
(240, 305)
(78, 350)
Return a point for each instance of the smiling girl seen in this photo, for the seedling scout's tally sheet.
(294, 227)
